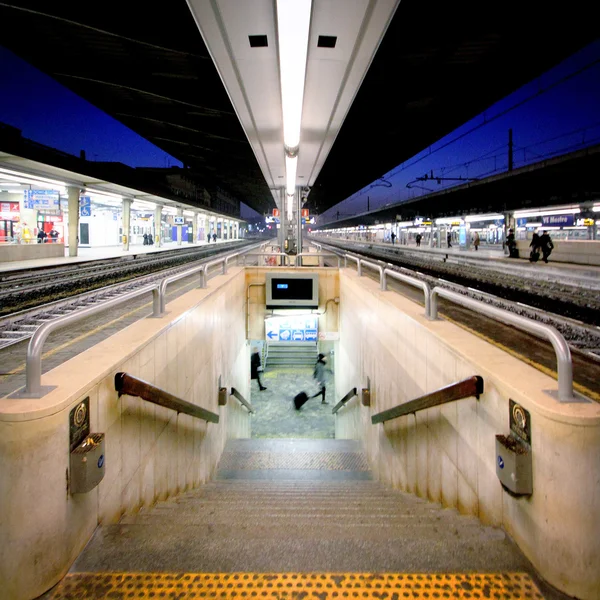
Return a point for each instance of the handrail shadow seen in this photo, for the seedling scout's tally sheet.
(473, 386)
(132, 386)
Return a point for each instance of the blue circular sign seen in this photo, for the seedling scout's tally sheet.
(500, 462)
(101, 461)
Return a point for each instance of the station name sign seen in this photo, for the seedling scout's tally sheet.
(558, 220)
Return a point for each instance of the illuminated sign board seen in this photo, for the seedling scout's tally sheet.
(558, 220)
(178, 220)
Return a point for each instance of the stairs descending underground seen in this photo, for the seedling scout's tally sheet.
(299, 519)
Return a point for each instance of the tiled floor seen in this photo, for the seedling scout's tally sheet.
(276, 416)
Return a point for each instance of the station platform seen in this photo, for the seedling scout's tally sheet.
(492, 255)
(100, 253)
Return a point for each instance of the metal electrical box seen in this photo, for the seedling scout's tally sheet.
(514, 464)
(87, 464)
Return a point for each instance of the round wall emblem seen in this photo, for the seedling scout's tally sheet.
(80, 414)
(519, 416)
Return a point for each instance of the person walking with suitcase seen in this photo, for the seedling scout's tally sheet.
(255, 368)
(319, 375)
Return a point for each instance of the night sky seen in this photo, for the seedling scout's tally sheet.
(557, 113)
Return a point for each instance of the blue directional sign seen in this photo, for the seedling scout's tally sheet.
(41, 199)
(301, 328)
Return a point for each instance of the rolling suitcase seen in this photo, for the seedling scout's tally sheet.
(300, 400)
(534, 256)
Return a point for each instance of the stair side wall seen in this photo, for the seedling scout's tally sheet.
(151, 452)
(447, 454)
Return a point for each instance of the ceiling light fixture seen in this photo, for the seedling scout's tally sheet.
(293, 25)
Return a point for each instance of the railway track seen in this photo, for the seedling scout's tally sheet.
(20, 290)
(20, 325)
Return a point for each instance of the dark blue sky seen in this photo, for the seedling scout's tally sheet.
(50, 114)
(563, 103)
(556, 113)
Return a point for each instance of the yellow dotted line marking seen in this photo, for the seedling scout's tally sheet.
(283, 586)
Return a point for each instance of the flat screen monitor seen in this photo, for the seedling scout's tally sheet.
(292, 290)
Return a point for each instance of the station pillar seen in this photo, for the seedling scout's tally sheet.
(179, 227)
(73, 200)
(194, 228)
(126, 223)
(158, 225)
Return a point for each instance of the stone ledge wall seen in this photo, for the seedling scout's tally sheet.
(151, 452)
(447, 454)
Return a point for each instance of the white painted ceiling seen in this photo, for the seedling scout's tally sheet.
(251, 75)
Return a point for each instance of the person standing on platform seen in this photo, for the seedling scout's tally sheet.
(54, 235)
(418, 240)
(215, 238)
(41, 237)
(393, 238)
(449, 240)
(319, 375)
(256, 368)
(150, 240)
(511, 244)
(145, 239)
(546, 245)
(476, 241)
(534, 255)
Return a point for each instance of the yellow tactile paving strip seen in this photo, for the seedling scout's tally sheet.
(296, 586)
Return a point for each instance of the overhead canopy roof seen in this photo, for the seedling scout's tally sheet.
(146, 64)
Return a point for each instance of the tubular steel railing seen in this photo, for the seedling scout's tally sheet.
(456, 391)
(411, 281)
(343, 401)
(242, 400)
(132, 386)
(319, 255)
(561, 348)
(33, 375)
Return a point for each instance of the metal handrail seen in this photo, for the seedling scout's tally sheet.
(375, 266)
(259, 254)
(132, 386)
(318, 255)
(343, 401)
(450, 393)
(411, 281)
(176, 277)
(563, 353)
(198, 269)
(357, 259)
(221, 259)
(242, 400)
(33, 375)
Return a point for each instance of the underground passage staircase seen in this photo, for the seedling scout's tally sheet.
(297, 519)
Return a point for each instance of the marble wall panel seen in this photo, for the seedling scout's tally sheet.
(448, 453)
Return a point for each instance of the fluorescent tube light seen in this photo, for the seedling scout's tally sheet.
(293, 25)
(291, 164)
(547, 213)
